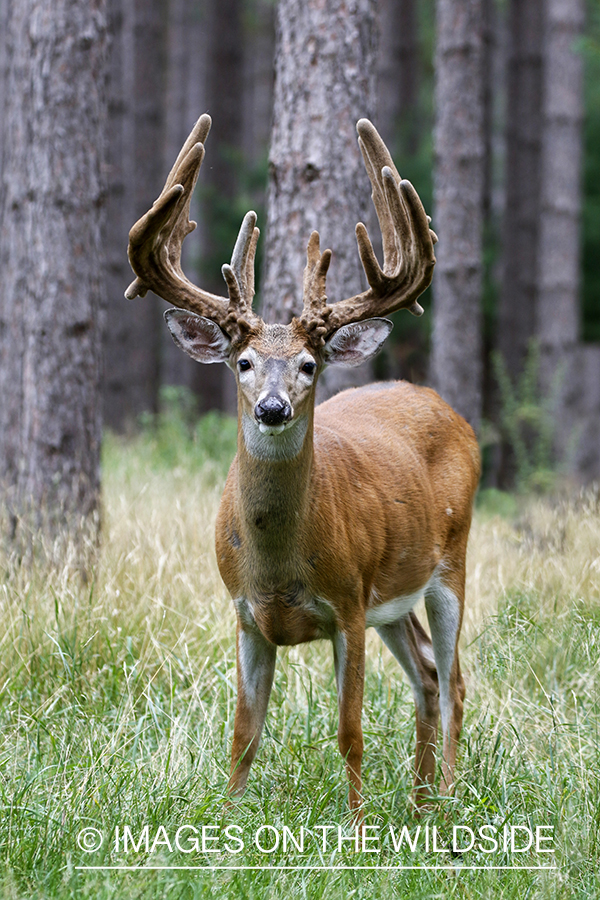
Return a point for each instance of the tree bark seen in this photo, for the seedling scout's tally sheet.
(52, 262)
(220, 178)
(494, 93)
(132, 340)
(458, 206)
(259, 57)
(398, 73)
(557, 313)
(324, 82)
(3, 23)
(557, 320)
(519, 290)
(185, 100)
(489, 75)
(120, 215)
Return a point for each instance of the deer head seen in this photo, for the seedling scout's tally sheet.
(277, 366)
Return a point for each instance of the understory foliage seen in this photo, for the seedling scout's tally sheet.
(528, 422)
(117, 700)
(176, 438)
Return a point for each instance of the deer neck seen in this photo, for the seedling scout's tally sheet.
(274, 473)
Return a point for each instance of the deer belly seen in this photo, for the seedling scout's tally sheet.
(384, 613)
(289, 617)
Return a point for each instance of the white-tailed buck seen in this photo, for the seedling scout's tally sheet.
(337, 518)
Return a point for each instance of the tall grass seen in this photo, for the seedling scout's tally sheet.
(117, 700)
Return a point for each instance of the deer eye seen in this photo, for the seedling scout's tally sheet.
(308, 368)
(244, 365)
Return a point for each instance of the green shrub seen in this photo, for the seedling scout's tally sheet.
(177, 439)
(528, 423)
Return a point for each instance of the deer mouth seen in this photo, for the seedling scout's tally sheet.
(272, 429)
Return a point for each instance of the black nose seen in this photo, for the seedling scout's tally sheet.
(273, 410)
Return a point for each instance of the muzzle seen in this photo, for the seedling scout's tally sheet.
(273, 410)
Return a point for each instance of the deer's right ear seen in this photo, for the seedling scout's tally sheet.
(201, 338)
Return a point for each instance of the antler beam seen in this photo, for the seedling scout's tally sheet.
(155, 243)
(408, 257)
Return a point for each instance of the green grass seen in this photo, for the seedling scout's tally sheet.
(117, 701)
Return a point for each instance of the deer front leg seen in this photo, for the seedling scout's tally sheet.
(349, 660)
(255, 669)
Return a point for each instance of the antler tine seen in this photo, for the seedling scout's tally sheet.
(239, 277)
(156, 239)
(408, 257)
(376, 157)
(242, 261)
(315, 309)
(315, 274)
(197, 135)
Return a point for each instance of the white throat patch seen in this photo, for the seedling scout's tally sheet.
(273, 445)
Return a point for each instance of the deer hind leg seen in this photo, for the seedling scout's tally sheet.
(255, 669)
(349, 661)
(444, 599)
(411, 646)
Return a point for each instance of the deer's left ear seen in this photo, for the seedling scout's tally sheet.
(354, 344)
(201, 338)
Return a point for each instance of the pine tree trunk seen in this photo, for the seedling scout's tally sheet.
(120, 215)
(132, 340)
(489, 76)
(185, 100)
(52, 261)
(324, 82)
(458, 206)
(494, 91)
(557, 311)
(518, 296)
(398, 74)
(220, 178)
(3, 23)
(259, 53)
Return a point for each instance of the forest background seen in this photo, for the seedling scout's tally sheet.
(231, 75)
(491, 108)
(117, 649)
(518, 293)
